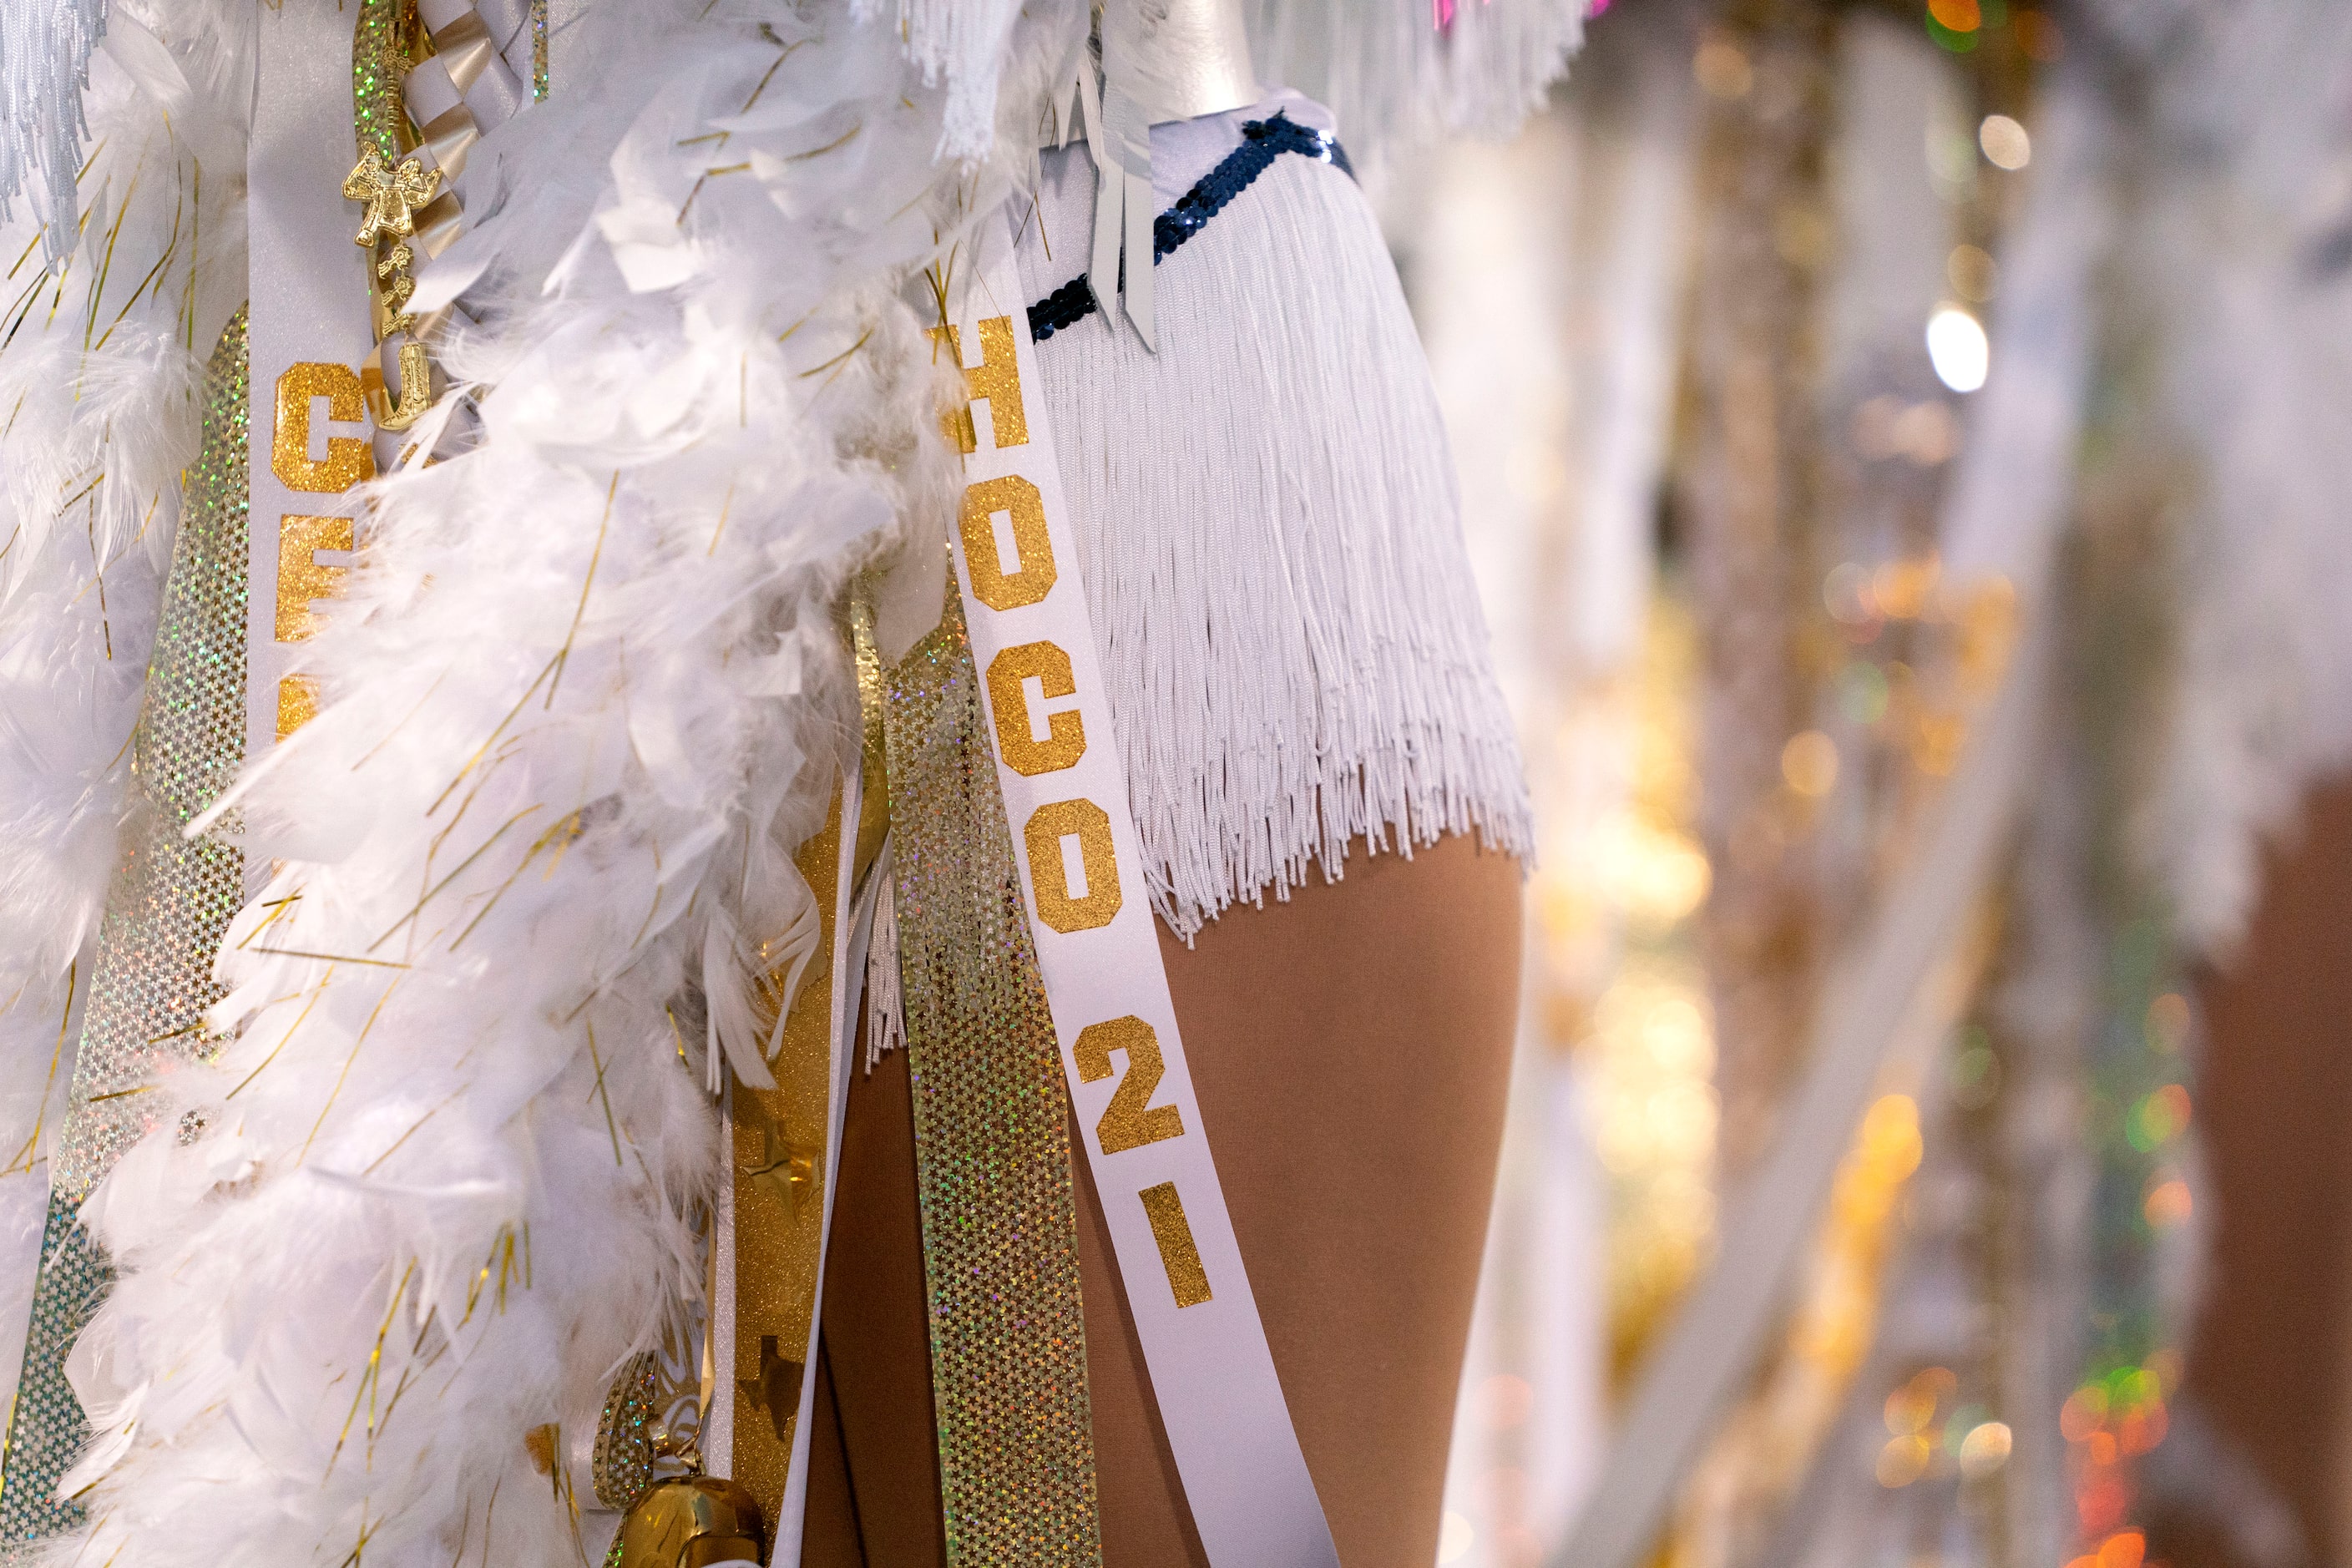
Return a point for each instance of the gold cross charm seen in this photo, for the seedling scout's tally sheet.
(391, 194)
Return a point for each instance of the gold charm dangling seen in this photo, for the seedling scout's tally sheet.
(416, 389)
(693, 1522)
(391, 194)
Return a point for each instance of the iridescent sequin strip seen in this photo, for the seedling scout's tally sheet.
(171, 904)
(992, 1139)
(1263, 141)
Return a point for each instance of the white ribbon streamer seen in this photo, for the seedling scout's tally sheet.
(1097, 947)
(308, 333)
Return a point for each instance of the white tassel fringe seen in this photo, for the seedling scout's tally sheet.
(1266, 514)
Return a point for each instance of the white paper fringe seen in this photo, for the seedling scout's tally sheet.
(1266, 514)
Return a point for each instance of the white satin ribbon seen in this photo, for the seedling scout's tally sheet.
(308, 333)
(1097, 947)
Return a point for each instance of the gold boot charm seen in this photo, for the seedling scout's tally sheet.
(416, 389)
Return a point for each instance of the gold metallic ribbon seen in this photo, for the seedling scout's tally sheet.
(779, 1169)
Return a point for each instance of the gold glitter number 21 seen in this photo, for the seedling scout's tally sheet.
(1130, 1121)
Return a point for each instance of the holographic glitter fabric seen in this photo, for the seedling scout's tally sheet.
(378, 64)
(992, 1138)
(172, 902)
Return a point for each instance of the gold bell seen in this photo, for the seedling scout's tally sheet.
(693, 1522)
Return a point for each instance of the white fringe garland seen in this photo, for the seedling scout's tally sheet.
(1267, 518)
(45, 51)
(2246, 253)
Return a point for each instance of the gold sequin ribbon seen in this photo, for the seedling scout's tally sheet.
(991, 1134)
(172, 901)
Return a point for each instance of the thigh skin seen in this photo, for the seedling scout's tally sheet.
(1349, 1049)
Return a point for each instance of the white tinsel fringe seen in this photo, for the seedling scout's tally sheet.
(581, 704)
(98, 380)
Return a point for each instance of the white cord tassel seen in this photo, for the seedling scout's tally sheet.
(885, 1008)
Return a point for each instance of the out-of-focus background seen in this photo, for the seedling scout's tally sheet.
(1907, 447)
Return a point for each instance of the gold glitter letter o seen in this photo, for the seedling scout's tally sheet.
(1048, 825)
(1016, 738)
(997, 588)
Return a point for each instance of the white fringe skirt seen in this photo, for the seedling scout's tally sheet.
(1270, 532)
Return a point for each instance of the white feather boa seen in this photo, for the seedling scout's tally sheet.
(582, 703)
(98, 383)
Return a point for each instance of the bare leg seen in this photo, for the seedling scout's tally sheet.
(1349, 1050)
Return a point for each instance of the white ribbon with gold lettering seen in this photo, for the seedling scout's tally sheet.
(1097, 946)
(308, 332)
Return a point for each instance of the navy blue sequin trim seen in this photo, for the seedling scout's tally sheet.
(1263, 141)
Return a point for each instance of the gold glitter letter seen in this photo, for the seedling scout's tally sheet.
(298, 703)
(1126, 1124)
(1178, 1254)
(349, 459)
(1033, 579)
(995, 381)
(300, 578)
(1016, 736)
(1090, 825)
